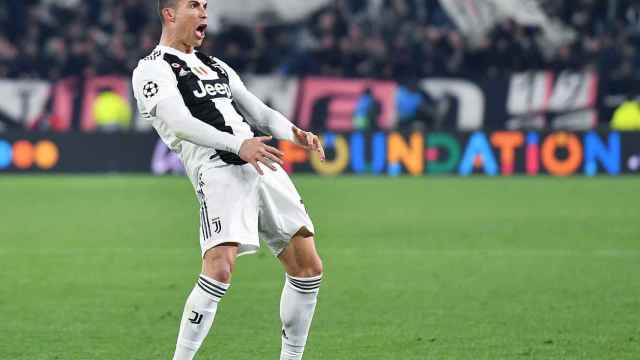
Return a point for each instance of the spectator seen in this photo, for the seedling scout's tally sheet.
(385, 39)
(367, 112)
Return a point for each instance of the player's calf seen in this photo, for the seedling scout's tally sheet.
(202, 304)
(297, 306)
(299, 295)
(198, 315)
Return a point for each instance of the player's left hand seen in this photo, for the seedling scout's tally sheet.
(309, 141)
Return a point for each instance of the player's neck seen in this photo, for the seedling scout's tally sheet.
(170, 41)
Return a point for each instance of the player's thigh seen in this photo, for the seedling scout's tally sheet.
(300, 258)
(282, 214)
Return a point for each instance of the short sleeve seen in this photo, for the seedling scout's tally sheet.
(153, 82)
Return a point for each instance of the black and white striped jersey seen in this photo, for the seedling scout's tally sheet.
(205, 84)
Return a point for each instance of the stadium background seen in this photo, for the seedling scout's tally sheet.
(503, 257)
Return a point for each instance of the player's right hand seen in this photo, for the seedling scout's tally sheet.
(255, 151)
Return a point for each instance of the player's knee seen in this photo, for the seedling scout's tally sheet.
(219, 269)
(218, 263)
(224, 276)
(316, 268)
(311, 268)
(221, 273)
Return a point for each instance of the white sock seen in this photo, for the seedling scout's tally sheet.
(198, 316)
(297, 305)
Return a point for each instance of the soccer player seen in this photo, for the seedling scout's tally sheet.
(194, 101)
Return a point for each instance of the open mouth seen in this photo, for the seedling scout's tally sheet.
(201, 31)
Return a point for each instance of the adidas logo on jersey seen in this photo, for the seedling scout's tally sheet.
(217, 89)
(154, 55)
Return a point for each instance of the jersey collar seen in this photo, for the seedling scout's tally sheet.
(174, 51)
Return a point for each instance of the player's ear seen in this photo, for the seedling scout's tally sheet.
(169, 14)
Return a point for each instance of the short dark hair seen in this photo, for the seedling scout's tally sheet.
(163, 4)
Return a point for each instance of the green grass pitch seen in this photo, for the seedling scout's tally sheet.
(416, 268)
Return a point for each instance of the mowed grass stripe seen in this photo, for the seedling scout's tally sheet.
(356, 252)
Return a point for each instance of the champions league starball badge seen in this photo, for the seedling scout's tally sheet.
(150, 89)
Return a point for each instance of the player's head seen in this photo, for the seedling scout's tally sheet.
(185, 20)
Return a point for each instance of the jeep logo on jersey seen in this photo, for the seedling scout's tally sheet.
(212, 88)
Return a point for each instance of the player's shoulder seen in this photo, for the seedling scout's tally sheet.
(153, 60)
(220, 62)
(226, 68)
(154, 64)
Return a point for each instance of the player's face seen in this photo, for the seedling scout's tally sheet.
(191, 21)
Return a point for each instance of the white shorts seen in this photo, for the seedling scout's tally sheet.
(237, 205)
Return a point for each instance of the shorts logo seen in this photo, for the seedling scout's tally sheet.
(217, 225)
(206, 222)
(150, 89)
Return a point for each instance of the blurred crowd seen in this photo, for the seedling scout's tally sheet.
(400, 39)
